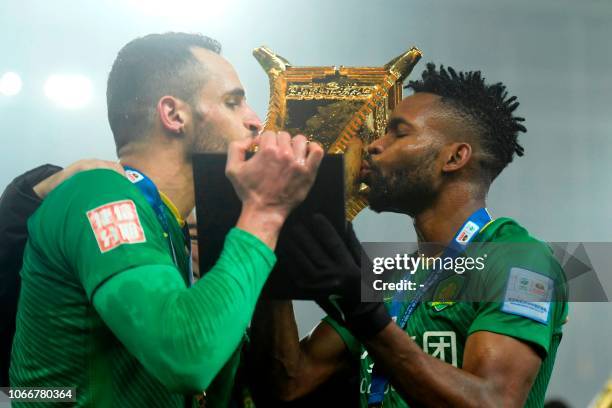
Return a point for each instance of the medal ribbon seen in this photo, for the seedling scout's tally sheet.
(151, 194)
(466, 234)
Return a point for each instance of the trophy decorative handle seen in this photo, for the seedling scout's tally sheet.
(273, 64)
(402, 65)
(398, 69)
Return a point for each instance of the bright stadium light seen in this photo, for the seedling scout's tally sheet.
(192, 10)
(69, 91)
(10, 84)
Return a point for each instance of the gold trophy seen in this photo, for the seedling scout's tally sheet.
(342, 108)
(604, 399)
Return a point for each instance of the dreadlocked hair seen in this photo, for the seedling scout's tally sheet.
(487, 105)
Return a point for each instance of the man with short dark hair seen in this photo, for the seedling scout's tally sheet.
(443, 147)
(107, 302)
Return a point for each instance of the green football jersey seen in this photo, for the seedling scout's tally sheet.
(441, 328)
(91, 227)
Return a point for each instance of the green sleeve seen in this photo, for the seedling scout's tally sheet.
(184, 336)
(353, 345)
(525, 295)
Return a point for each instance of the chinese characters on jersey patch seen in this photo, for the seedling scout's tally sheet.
(115, 224)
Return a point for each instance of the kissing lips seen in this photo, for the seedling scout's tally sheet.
(364, 171)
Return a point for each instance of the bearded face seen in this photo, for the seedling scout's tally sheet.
(407, 190)
(208, 138)
(220, 113)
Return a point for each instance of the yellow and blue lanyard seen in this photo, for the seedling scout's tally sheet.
(151, 193)
(466, 234)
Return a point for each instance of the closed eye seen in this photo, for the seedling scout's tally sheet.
(399, 127)
(233, 104)
(401, 134)
(235, 98)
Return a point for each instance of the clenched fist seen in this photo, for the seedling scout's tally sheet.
(272, 182)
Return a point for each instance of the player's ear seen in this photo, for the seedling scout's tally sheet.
(173, 114)
(456, 156)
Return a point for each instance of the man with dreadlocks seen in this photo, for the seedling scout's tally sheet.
(443, 147)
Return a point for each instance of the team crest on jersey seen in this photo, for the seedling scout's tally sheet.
(115, 224)
(447, 292)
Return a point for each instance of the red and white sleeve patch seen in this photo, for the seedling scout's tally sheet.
(115, 224)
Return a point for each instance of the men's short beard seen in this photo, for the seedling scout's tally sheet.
(210, 143)
(206, 140)
(407, 191)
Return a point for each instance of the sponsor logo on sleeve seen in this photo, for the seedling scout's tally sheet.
(528, 294)
(115, 224)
